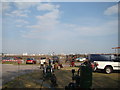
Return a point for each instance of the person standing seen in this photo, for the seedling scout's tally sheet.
(42, 62)
(73, 62)
(49, 61)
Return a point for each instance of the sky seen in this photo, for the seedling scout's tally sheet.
(60, 27)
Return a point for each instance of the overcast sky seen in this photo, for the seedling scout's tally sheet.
(61, 27)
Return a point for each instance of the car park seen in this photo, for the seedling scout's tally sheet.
(30, 61)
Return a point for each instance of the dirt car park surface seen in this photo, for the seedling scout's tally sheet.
(10, 71)
(64, 77)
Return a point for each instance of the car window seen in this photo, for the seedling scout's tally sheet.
(3, 58)
(43, 57)
(116, 59)
(97, 57)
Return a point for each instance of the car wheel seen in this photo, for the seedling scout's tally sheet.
(108, 70)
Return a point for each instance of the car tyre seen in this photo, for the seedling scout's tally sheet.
(108, 70)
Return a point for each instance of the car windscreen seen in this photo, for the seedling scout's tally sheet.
(29, 59)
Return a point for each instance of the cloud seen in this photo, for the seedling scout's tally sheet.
(54, 32)
(18, 13)
(49, 17)
(48, 21)
(22, 9)
(66, 31)
(45, 23)
(111, 10)
(48, 7)
(22, 21)
(107, 28)
(25, 5)
(49, 27)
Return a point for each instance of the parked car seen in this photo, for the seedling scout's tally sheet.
(30, 61)
(43, 60)
(55, 59)
(104, 62)
(80, 59)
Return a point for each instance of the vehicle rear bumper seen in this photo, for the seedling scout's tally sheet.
(29, 62)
